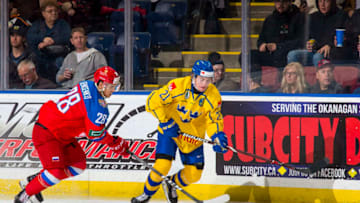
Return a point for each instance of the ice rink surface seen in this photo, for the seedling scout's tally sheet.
(89, 201)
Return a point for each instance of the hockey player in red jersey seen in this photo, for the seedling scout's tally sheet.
(81, 112)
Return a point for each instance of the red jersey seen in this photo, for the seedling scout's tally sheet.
(81, 112)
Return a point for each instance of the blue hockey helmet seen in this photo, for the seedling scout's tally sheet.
(203, 68)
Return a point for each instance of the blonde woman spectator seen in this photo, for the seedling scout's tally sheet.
(293, 80)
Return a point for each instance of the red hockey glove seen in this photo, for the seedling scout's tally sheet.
(119, 145)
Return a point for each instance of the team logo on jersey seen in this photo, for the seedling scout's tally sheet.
(102, 103)
(172, 86)
(181, 109)
(201, 101)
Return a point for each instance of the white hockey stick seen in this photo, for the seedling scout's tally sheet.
(222, 198)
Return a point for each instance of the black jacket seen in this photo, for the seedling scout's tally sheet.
(280, 28)
(322, 26)
(334, 88)
(14, 79)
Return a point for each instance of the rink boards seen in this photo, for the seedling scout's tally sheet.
(295, 130)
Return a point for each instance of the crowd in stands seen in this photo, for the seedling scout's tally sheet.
(295, 36)
(298, 37)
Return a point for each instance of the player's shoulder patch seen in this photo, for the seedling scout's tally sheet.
(172, 86)
(85, 89)
(219, 104)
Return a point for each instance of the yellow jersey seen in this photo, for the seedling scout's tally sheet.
(195, 113)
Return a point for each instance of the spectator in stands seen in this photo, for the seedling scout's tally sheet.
(254, 82)
(293, 80)
(322, 26)
(49, 38)
(81, 63)
(307, 6)
(351, 50)
(91, 15)
(30, 79)
(221, 82)
(278, 36)
(28, 9)
(18, 49)
(325, 79)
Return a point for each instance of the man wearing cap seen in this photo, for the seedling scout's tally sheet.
(18, 52)
(325, 79)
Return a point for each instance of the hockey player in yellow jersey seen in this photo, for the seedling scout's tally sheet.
(191, 105)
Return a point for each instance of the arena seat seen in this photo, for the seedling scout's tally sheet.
(310, 75)
(167, 23)
(117, 23)
(347, 76)
(270, 77)
(101, 41)
(141, 54)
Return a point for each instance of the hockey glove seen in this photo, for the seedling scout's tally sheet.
(170, 128)
(220, 141)
(119, 146)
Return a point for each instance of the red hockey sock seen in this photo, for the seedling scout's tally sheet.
(36, 185)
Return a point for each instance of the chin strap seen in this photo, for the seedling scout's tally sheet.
(101, 91)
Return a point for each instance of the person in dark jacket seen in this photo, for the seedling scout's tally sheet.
(352, 37)
(49, 38)
(278, 36)
(254, 83)
(325, 79)
(30, 79)
(18, 50)
(320, 41)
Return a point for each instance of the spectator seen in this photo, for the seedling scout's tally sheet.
(352, 36)
(221, 82)
(307, 6)
(28, 9)
(278, 36)
(30, 79)
(81, 63)
(322, 26)
(293, 80)
(254, 82)
(325, 79)
(88, 14)
(49, 38)
(18, 50)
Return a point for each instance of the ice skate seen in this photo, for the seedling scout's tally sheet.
(170, 192)
(35, 198)
(22, 197)
(141, 199)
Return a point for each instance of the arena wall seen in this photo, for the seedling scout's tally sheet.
(245, 179)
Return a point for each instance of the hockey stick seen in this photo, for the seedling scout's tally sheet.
(222, 198)
(315, 167)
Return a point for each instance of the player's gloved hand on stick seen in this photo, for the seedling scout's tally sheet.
(170, 128)
(220, 141)
(119, 146)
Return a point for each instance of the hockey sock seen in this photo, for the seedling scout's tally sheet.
(75, 169)
(190, 174)
(153, 181)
